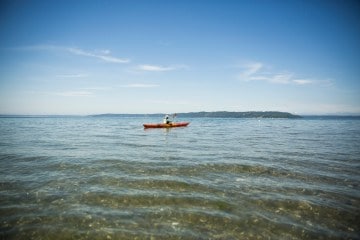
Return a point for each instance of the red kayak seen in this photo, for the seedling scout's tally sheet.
(165, 125)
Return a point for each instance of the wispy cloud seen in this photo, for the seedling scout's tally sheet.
(154, 68)
(74, 94)
(78, 75)
(102, 55)
(251, 68)
(98, 88)
(140, 85)
(159, 68)
(302, 81)
(257, 71)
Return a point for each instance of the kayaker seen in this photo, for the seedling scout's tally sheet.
(166, 119)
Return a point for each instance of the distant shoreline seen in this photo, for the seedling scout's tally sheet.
(216, 114)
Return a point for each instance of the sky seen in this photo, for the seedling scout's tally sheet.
(152, 56)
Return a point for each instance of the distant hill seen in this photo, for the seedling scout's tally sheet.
(252, 114)
(219, 114)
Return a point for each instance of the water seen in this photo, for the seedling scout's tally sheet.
(108, 178)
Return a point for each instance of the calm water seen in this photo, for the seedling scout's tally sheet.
(108, 178)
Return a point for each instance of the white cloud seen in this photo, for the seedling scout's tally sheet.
(74, 94)
(255, 71)
(281, 78)
(98, 88)
(154, 68)
(103, 55)
(302, 81)
(158, 68)
(104, 51)
(78, 75)
(252, 68)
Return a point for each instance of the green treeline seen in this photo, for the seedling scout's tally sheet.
(252, 114)
(219, 114)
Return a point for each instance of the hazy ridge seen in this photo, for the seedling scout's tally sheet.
(217, 114)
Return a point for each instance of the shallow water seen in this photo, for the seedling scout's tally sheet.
(108, 178)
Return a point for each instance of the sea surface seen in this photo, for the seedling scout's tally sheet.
(108, 178)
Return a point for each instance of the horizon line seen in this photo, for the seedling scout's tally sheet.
(159, 113)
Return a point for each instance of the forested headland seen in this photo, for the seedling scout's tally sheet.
(218, 114)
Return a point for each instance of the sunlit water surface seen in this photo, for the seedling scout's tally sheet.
(108, 178)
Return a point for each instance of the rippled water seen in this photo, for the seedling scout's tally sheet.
(108, 178)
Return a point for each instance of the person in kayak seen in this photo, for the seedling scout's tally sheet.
(166, 119)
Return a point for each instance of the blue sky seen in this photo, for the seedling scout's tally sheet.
(89, 57)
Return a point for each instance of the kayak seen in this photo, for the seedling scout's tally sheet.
(165, 125)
